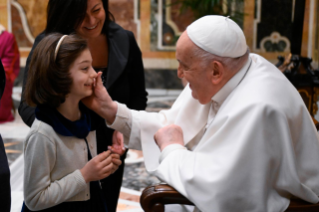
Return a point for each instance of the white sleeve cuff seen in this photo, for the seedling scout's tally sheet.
(168, 149)
(79, 179)
(122, 122)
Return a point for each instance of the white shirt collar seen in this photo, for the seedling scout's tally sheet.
(222, 94)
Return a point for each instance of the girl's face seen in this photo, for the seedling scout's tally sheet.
(83, 76)
(93, 23)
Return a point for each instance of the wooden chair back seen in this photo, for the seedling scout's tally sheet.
(154, 198)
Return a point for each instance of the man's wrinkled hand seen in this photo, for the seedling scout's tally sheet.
(100, 101)
(95, 101)
(171, 134)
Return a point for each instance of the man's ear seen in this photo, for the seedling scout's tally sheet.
(217, 72)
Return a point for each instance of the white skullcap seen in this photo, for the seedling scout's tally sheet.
(218, 35)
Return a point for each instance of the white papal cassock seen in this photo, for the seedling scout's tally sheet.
(260, 149)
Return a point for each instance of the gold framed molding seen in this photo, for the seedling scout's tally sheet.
(315, 100)
(309, 97)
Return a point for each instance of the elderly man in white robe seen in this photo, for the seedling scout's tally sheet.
(238, 138)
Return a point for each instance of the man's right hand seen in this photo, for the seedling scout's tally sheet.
(170, 134)
(101, 102)
(117, 143)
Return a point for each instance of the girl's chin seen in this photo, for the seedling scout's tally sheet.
(87, 94)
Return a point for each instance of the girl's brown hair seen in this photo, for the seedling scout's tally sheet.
(49, 79)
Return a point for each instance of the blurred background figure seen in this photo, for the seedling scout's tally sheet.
(5, 195)
(9, 54)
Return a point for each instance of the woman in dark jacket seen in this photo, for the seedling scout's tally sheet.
(114, 52)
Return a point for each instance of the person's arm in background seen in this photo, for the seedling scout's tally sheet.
(138, 94)
(27, 112)
(10, 56)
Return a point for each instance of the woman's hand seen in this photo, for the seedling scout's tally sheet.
(117, 143)
(99, 167)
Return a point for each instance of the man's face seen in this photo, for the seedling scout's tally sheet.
(193, 70)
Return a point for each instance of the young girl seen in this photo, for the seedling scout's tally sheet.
(62, 171)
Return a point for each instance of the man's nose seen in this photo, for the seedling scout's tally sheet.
(180, 73)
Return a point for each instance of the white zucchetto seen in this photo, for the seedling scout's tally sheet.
(218, 35)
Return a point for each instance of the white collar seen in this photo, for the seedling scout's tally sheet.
(222, 94)
(2, 29)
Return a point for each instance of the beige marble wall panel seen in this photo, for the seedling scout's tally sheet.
(248, 26)
(3, 13)
(35, 11)
(17, 29)
(316, 36)
(304, 45)
(123, 12)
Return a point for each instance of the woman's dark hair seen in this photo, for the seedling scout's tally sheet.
(64, 16)
(49, 79)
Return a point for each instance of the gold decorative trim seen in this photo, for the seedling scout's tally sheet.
(275, 37)
(315, 100)
(169, 20)
(308, 96)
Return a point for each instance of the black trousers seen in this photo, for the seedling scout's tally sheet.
(5, 193)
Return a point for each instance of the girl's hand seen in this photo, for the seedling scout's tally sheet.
(116, 162)
(99, 167)
(118, 143)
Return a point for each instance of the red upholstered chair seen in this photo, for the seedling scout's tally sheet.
(154, 198)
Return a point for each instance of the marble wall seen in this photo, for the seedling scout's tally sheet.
(124, 14)
(167, 24)
(157, 27)
(35, 11)
(4, 13)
